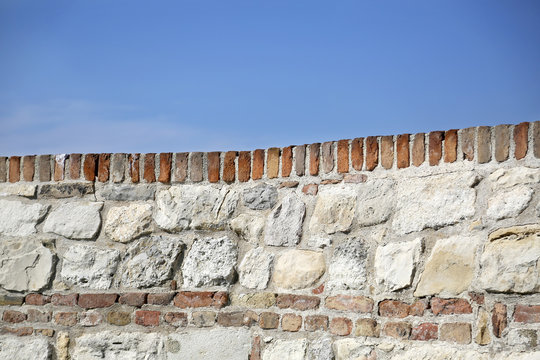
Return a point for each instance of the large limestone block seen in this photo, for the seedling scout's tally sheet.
(75, 220)
(509, 203)
(509, 262)
(20, 219)
(351, 349)
(347, 269)
(255, 269)
(89, 267)
(126, 192)
(334, 210)
(450, 267)
(320, 349)
(125, 223)
(438, 352)
(194, 207)
(25, 348)
(119, 346)
(260, 197)
(395, 264)
(17, 189)
(150, 261)
(284, 224)
(210, 262)
(248, 227)
(434, 202)
(507, 178)
(25, 265)
(376, 201)
(219, 343)
(298, 269)
(285, 349)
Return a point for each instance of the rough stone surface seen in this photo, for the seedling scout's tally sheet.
(483, 336)
(255, 269)
(449, 269)
(395, 264)
(508, 178)
(439, 352)
(260, 197)
(226, 344)
(375, 202)
(75, 220)
(66, 190)
(348, 267)
(20, 219)
(436, 201)
(126, 192)
(320, 349)
(509, 203)
(125, 223)
(17, 189)
(284, 224)
(150, 261)
(522, 338)
(334, 210)
(27, 348)
(351, 349)
(298, 269)
(119, 345)
(194, 207)
(285, 349)
(248, 227)
(210, 262)
(89, 267)
(29, 260)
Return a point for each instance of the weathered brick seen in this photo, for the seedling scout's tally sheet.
(13, 316)
(255, 349)
(393, 308)
(165, 167)
(467, 143)
(22, 331)
(64, 300)
(387, 151)
(134, 167)
(286, 161)
(258, 164)
(484, 144)
(244, 166)
(3, 168)
(189, 299)
(536, 139)
(133, 299)
(37, 299)
(149, 172)
(419, 149)
(291, 322)
(502, 142)
(450, 306)
(298, 302)
(44, 162)
(272, 163)
(459, 333)
(310, 189)
(316, 322)
(103, 167)
(181, 171)
(44, 332)
(360, 304)
(417, 308)
(398, 330)
(521, 139)
(234, 318)
(335, 181)
(59, 166)
(343, 156)
(372, 153)
(65, 318)
(527, 314)
(340, 326)
(288, 184)
(477, 297)
(314, 158)
(89, 167)
(450, 146)
(93, 301)
(402, 151)
(90, 318)
(28, 167)
(367, 327)
(357, 153)
(147, 318)
(435, 147)
(14, 168)
(425, 331)
(203, 318)
(229, 167)
(327, 157)
(499, 319)
(300, 160)
(11, 300)
(354, 178)
(74, 166)
(160, 298)
(119, 318)
(196, 167)
(177, 319)
(268, 320)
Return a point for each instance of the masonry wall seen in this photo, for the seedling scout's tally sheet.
(420, 246)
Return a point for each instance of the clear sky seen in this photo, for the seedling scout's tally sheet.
(168, 76)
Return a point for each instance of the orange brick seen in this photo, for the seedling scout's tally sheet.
(149, 172)
(272, 163)
(14, 169)
(74, 166)
(213, 166)
(286, 161)
(435, 147)
(419, 149)
(521, 133)
(372, 153)
(402, 151)
(181, 172)
(467, 143)
(28, 168)
(147, 318)
(103, 167)
(387, 151)
(244, 166)
(314, 158)
(258, 164)
(343, 156)
(229, 167)
(165, 166)
(134, 167)
(89, 167)
(450, 146)
(502, 142)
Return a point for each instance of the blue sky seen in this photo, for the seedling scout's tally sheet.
(155, 76)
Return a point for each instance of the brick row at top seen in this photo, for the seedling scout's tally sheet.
(481, 144)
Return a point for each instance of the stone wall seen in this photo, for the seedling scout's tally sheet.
(406, 247)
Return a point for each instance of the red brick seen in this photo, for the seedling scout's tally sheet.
(467, 143)
(425, 331)
(327, 157)
(419, 149)
(37, 299)
(484, 144)
(291, 322)
(147, 318)
(59, 166)
(402, 151)
(149, 173)
(189, 299)
(527, 313)
(358, 303)
(536, 139)
(435, 147)
(354, 178)
(23, 331)
(499, 319)
(177, 319)
(213, 166)
(244, 166)
(165, 167)
(14, 169)
(181, 172)
(269, 320)
(3, 168)
(258, 164)
(314, 158)
(372, 153)
(310, 189)
(272, 163)
(93, 301)
(28, 168)
(134, 167)
(318, 290)
(286, 161)
(393, 308)
(459, 333)
(477, 297)
(133, 299)
(343, 156)
(340, 326)
(387, 151)
(13, 316)
(357, 153)
(300, 160)
(64, 300)
(229, 167)
(89, 167)
(196, 167)
(160, 298)
(521, 138)
(502, 142)
(74, 166)
(450, 146)
(38, 316)
(298, 302)
(255, 349)
(288, 184)
(450, 306)
(65, 318)
(316, 322)
(397, 330)
(103, 167)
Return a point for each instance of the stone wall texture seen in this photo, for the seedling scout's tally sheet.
(423, 246)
